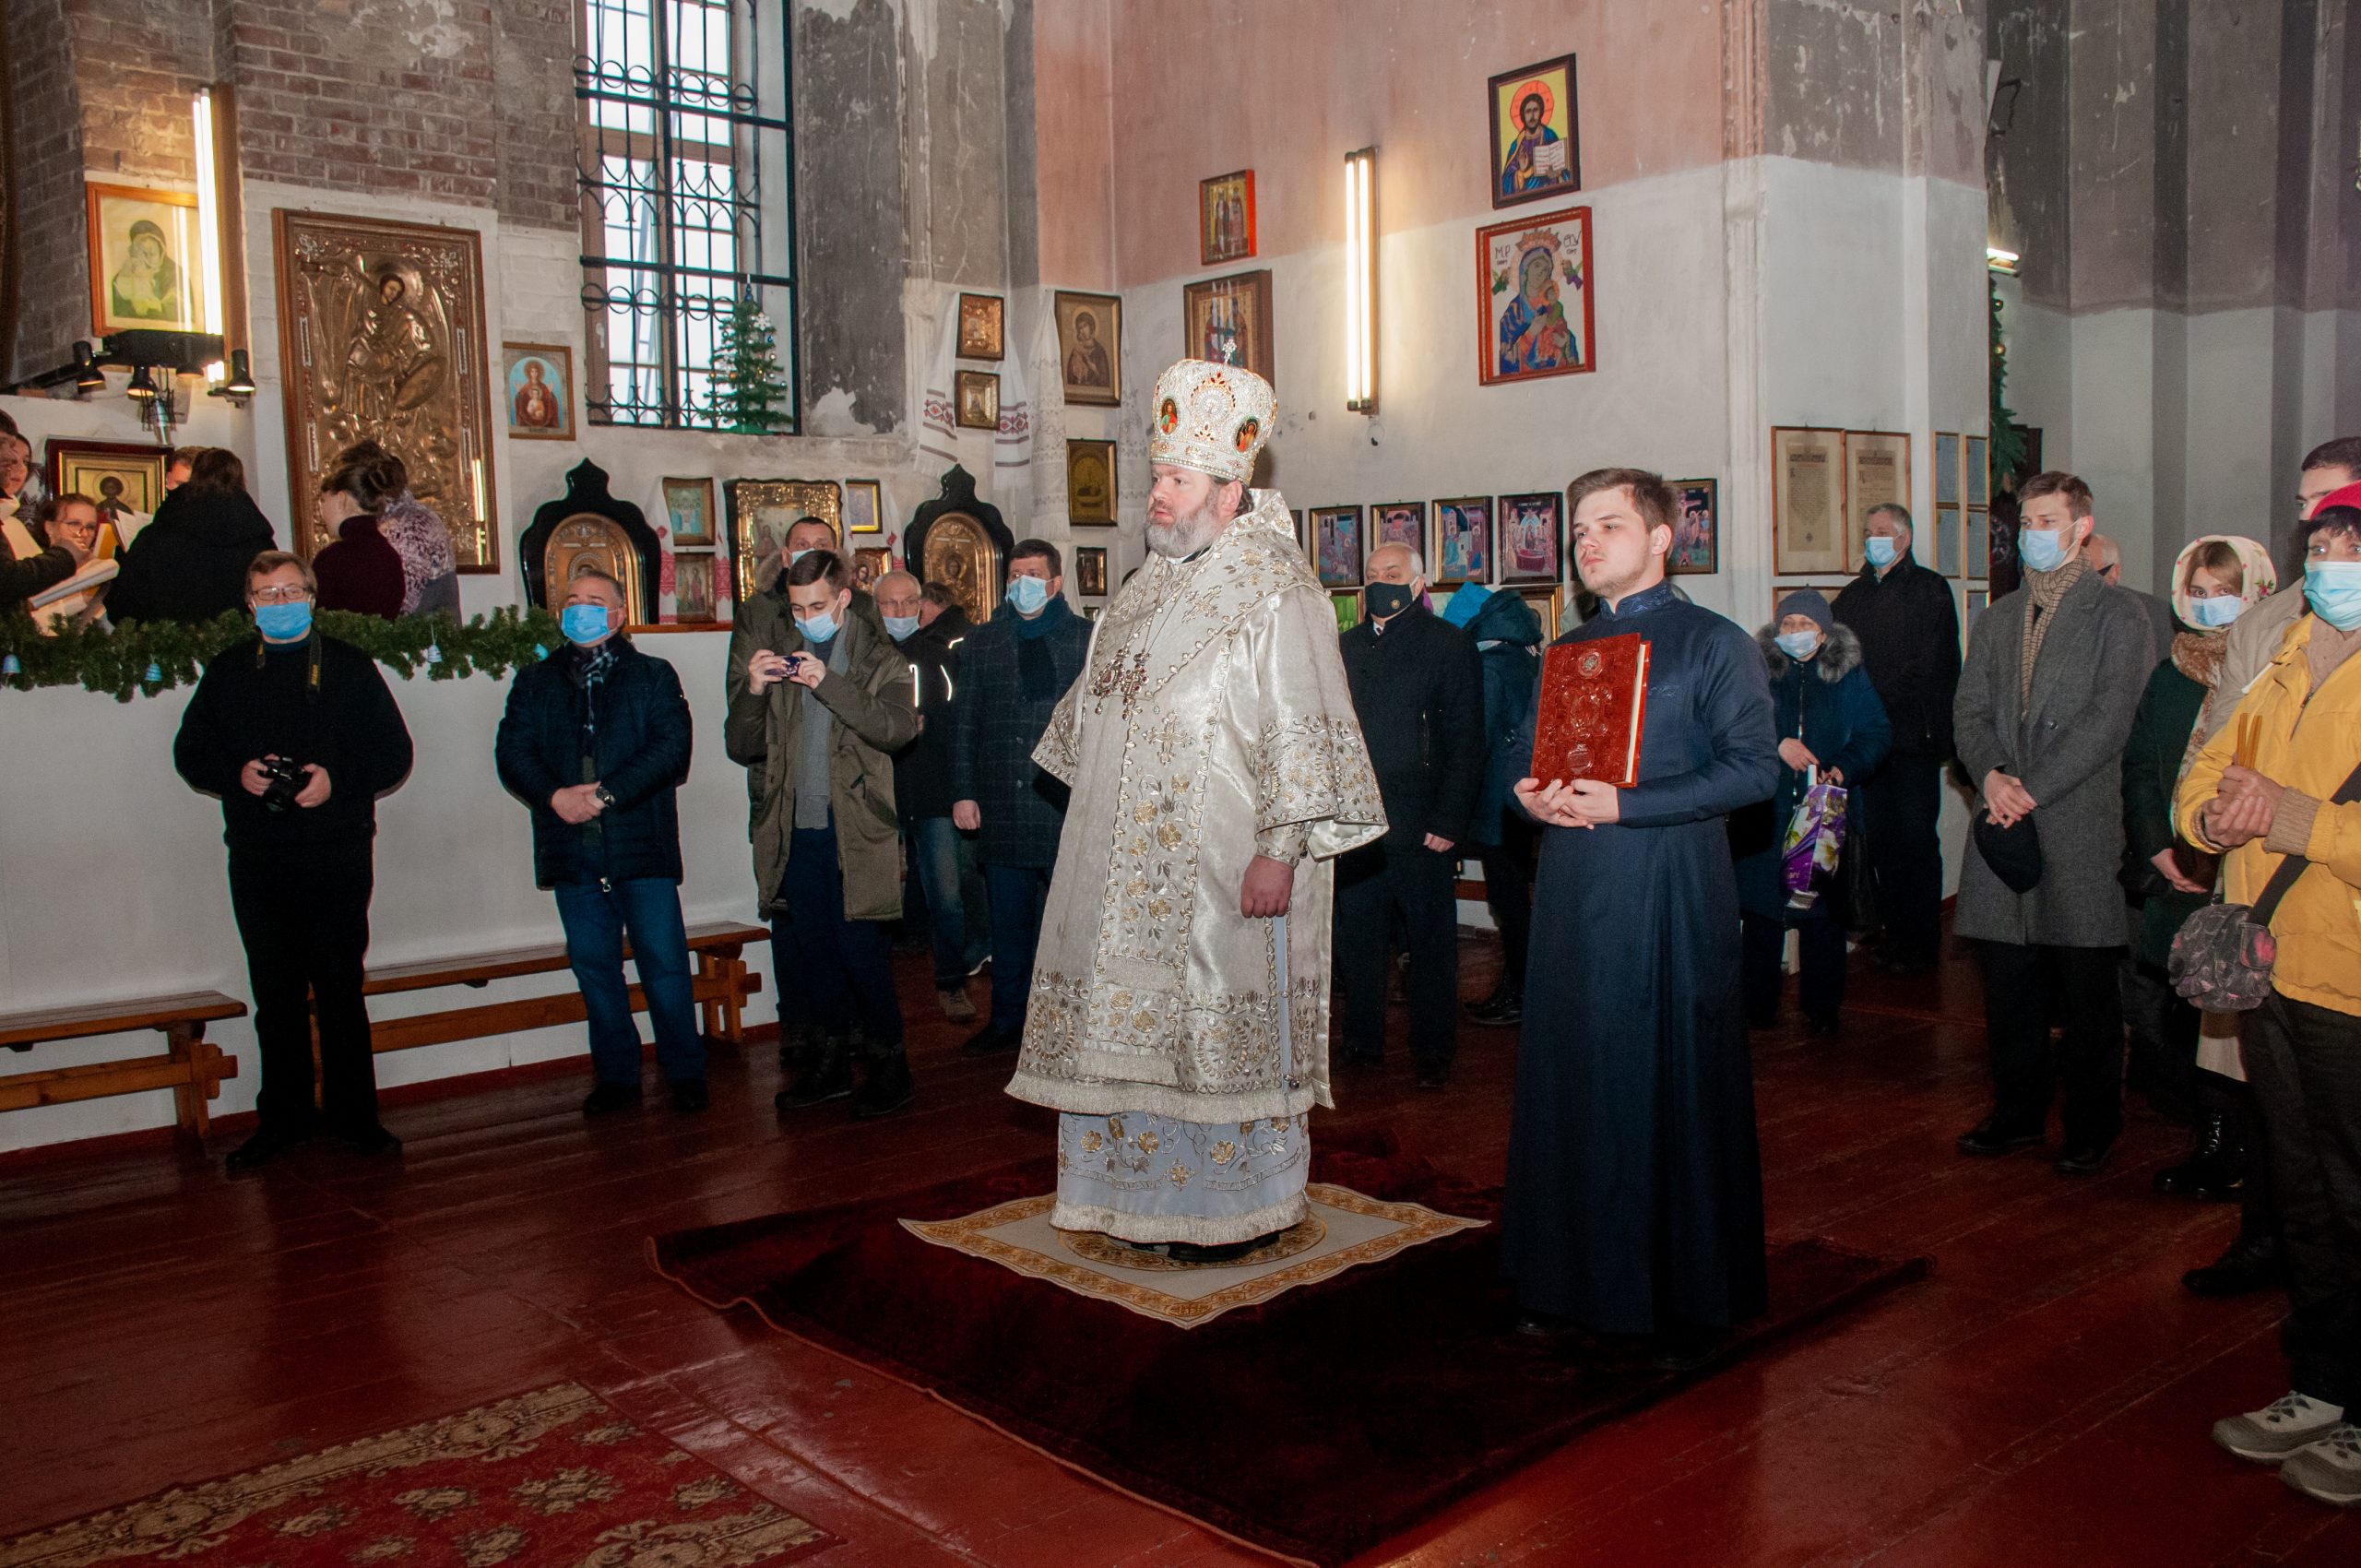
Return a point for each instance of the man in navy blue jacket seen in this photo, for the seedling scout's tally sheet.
(1011, 673)
(595, 739)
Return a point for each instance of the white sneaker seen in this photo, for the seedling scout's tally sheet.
(2280, 1427)
(2329, 1469)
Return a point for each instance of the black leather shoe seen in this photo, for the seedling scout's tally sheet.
(828, 1075)
(372, 1139)
(1684, 1350)
(1434, 1075)
(2249, 1264)
(689, 1094)
(258, 1152)
(2083, 1160)
(990, 1042)
(610, 1097)
(1825, 1027)
(1544, 1326)
(885, 1087)
(1499, 1011)
(1998, 1136)
(1904, 968)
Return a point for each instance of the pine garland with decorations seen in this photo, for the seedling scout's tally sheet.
(749, 387)
(148, 656)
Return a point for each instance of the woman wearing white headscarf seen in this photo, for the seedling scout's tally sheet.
(2215, 580)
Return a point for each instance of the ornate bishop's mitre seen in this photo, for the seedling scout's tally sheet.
(1212, 417)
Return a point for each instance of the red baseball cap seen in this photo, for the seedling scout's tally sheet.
(2344, 496)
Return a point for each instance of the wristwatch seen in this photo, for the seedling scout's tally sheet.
(606, 796)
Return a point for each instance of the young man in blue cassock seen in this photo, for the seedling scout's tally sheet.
(1635, 1188)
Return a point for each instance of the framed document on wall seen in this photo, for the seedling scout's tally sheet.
(1876, 471)
(1807, 521)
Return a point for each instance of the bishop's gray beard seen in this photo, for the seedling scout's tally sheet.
(1184, 537)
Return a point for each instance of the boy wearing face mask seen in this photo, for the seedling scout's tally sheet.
(596, 740)
(301, 855)
(2053, 678)
(1419, 691)
(1011, 673)
(819, 703)
(1831, 726)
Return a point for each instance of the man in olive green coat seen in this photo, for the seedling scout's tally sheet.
(819, 702)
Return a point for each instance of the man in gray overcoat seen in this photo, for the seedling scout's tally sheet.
(2053, 676)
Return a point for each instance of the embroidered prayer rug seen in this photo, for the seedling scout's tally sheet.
(1343, 1229)
(1314, 1423)
(554, 1477)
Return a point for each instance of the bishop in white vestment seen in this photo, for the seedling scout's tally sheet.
(1179, 1015)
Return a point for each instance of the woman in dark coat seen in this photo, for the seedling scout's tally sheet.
(362, 571)
(189, 563)
(1830, 719)
(2215, 580)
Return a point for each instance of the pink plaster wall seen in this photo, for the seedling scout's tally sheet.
(1286, 88)
(1074, 155)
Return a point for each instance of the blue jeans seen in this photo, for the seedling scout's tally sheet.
(943, 861)
(1018, 894)
(844, 965)
(594, 922)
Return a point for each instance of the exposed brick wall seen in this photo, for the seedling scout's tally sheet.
(368, 96)
(137, 63)
(539, 113)
(52, 279)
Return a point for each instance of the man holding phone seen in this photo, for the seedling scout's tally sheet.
(819, 702)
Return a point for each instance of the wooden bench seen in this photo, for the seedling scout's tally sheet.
(720, 985)
(192, 1066)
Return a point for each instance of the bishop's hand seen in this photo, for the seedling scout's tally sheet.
(1269, 889)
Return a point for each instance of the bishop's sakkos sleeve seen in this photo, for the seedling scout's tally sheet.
(1315, 793)
(1059, 751)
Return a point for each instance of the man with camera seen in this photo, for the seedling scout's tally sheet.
(298, 735)
(819, 703)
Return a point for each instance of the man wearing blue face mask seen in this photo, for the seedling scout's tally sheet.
(1908, 629)
(2053, 678)
(819, 703)
(596, 740)
(297, 735)
(1011, 673)
(942, 861)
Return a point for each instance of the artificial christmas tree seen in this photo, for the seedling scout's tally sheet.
(750, 391)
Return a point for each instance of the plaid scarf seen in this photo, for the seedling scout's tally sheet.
(2048, 588)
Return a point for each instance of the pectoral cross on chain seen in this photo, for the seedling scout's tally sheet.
(1114, 677)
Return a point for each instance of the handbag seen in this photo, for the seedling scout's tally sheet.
(2221, 959)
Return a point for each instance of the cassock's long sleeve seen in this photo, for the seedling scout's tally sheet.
(1733, 705)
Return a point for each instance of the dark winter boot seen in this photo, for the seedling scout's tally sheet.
(884, 1083)
(2215, 1162)
(827, 1074)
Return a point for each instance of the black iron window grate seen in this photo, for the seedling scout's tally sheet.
(687, 177)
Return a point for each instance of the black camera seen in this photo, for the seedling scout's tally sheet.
(287, 780)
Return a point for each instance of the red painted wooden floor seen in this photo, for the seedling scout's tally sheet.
(2043, 1399)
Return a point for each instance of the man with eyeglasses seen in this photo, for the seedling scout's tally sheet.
(298, 736)
(27, 564)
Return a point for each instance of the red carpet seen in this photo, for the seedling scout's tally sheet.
(1315, 1426)
(550, 1477)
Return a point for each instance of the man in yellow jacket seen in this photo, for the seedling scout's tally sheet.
(2265, 788)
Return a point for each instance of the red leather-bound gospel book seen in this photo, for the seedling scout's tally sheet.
(1593, 698)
